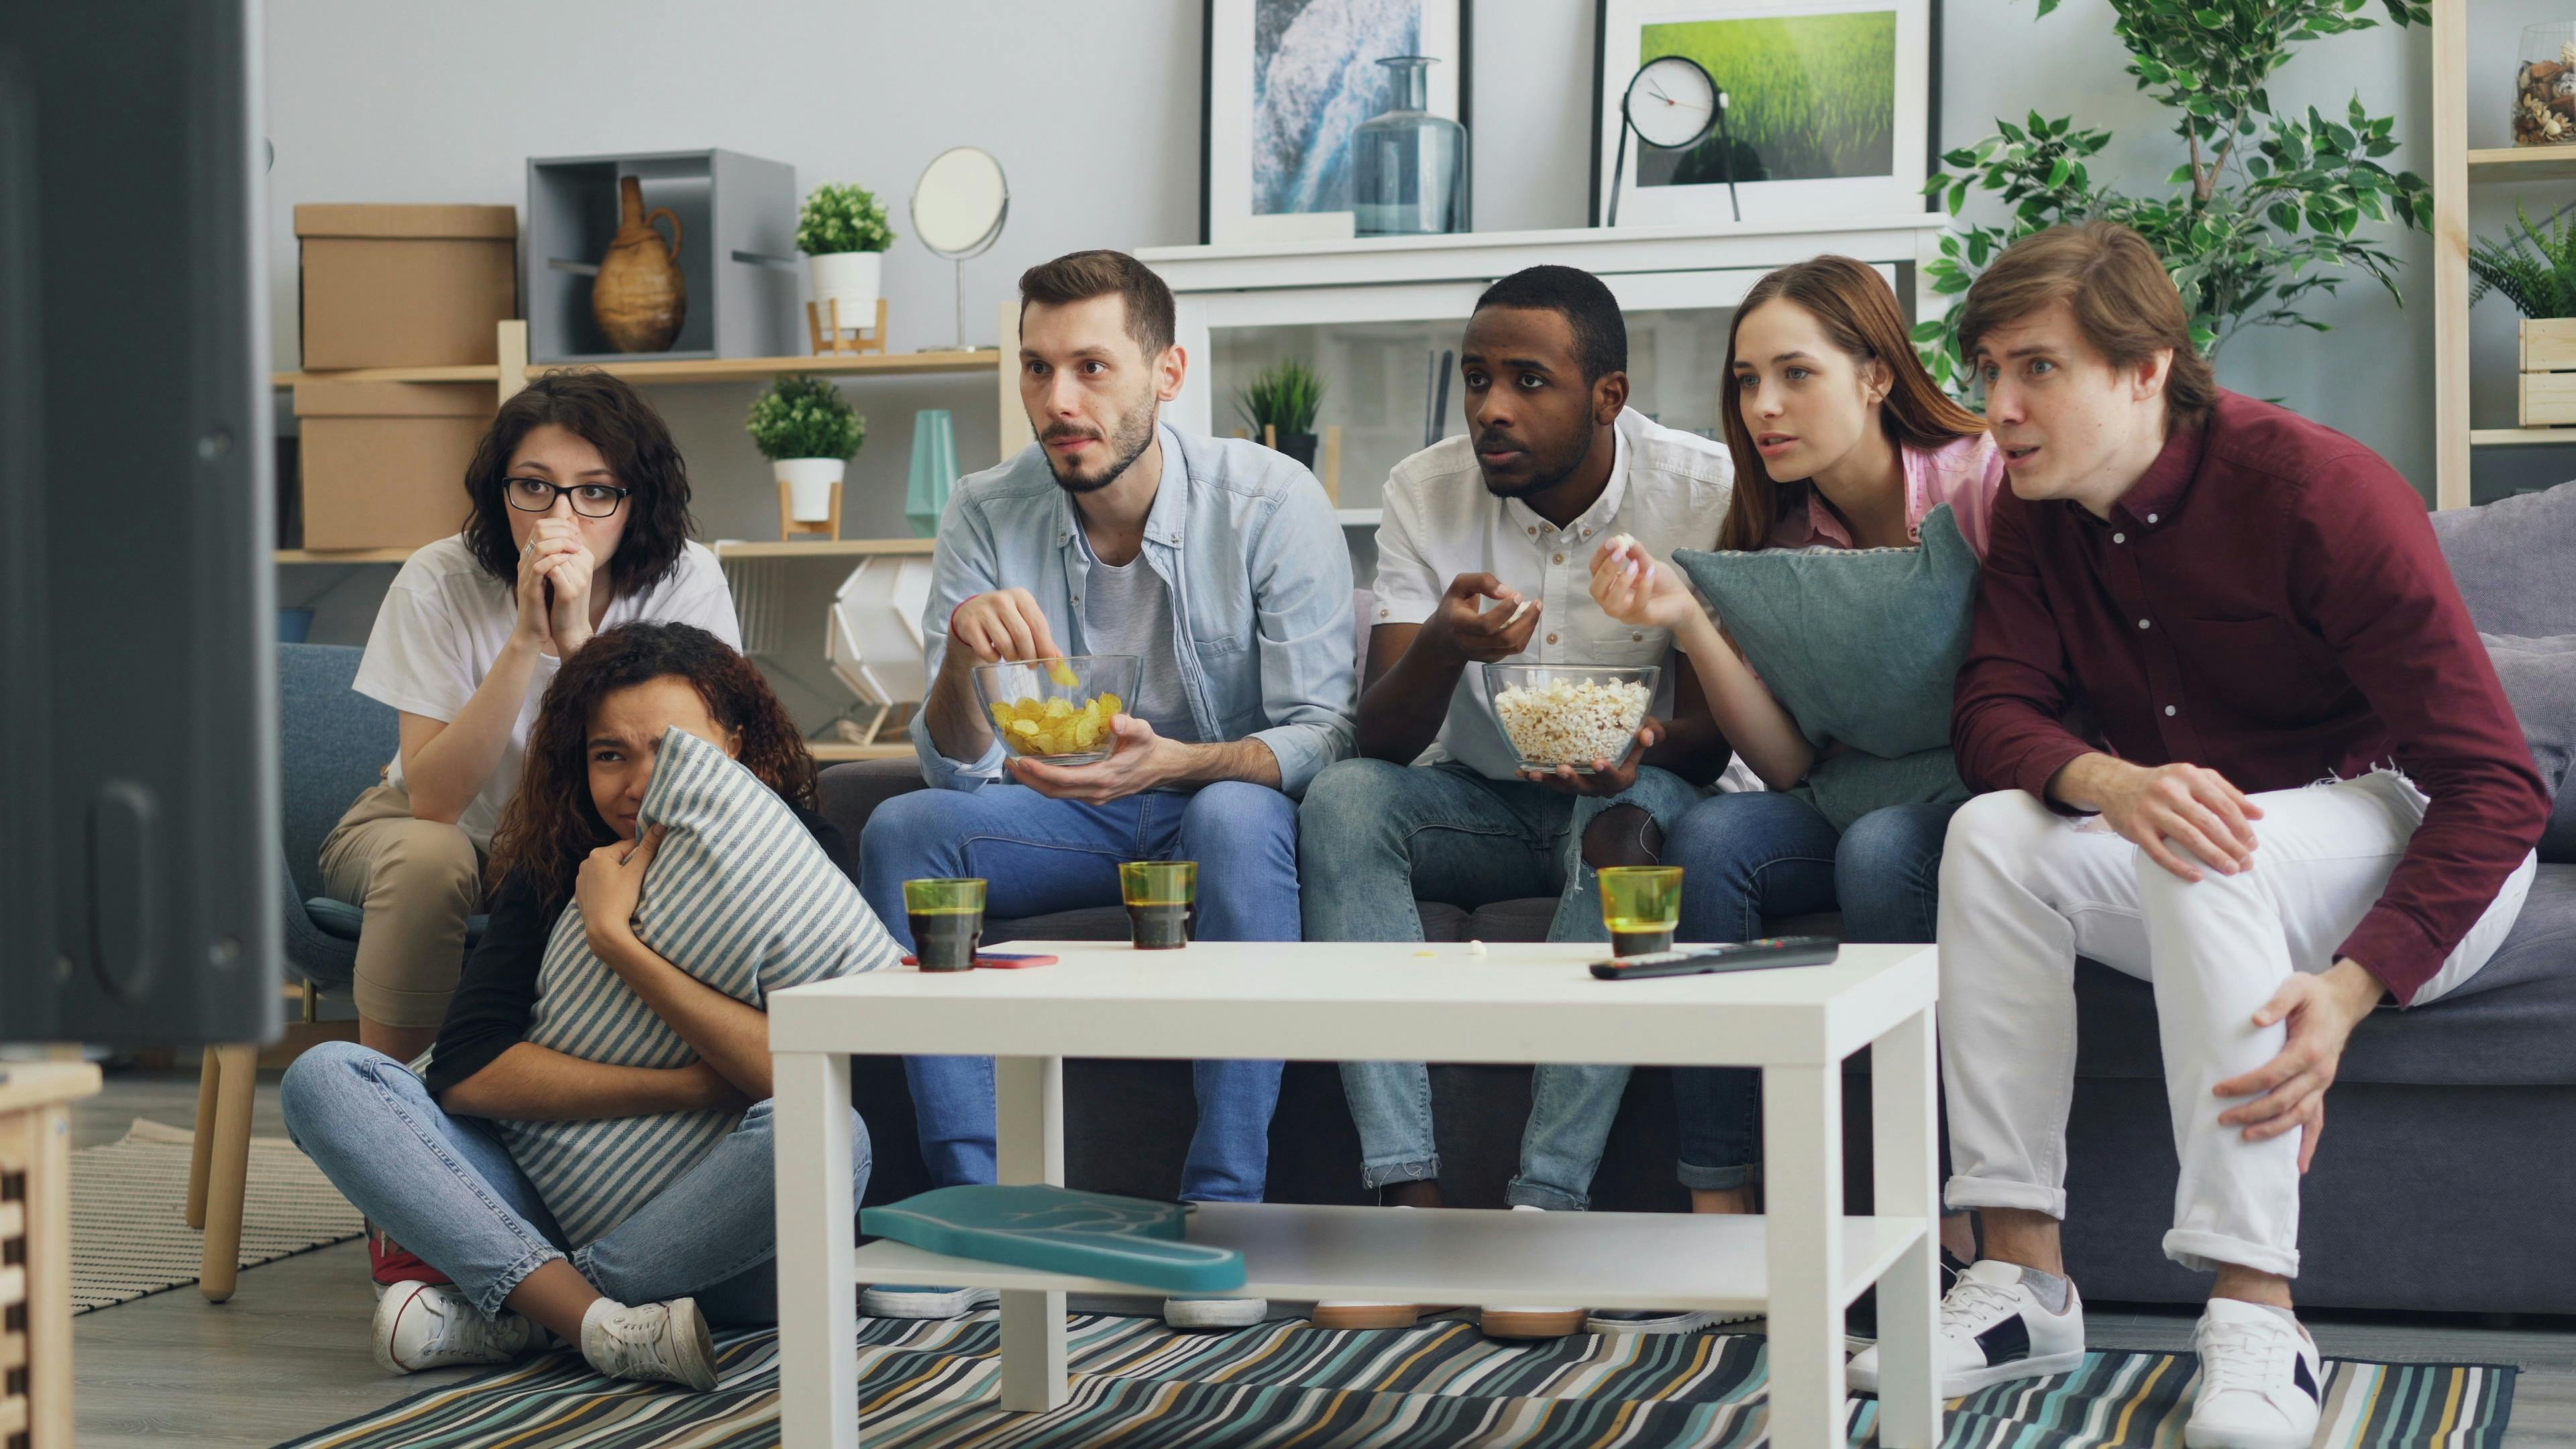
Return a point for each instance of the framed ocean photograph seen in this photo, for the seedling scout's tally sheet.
(1284, 85)
(1829, 109)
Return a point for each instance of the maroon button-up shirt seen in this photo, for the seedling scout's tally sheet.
(2268, 602)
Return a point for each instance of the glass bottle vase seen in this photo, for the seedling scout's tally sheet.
(1408, 166)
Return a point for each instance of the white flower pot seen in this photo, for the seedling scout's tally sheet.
(809, 486)
(852, 278)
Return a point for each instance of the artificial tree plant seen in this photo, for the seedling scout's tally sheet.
(2264, 210)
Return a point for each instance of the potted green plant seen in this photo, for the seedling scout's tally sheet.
(843, 232)
(809, 433)
(2263, 213)
(1280, 404)
(2534, 268)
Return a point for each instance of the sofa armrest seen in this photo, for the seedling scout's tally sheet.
(847, 794)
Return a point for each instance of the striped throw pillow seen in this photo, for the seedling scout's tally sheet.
(740, 897)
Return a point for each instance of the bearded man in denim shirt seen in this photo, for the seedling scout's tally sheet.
(1220, 565)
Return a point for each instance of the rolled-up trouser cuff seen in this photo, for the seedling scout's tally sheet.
(1718, 1179)
(1987, 1192)
(2209, 1252)
(1381, 1174)
(1521, 1192)
(492, 1299)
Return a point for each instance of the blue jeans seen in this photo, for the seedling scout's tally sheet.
(1373, 836)
(1749, 856)
(444, 1187)
(1039, 855)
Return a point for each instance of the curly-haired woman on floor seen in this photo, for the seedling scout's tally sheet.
(627, 1255)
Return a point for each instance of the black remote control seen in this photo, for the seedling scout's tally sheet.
(1759, 955)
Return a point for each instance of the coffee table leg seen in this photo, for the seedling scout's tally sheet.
(818, 1324)
(1029, 1125)
(1802, 1152)
(1905, 1167)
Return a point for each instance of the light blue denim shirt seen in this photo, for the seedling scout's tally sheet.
(1259, 577)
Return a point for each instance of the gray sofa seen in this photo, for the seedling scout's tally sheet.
(2444, 1176)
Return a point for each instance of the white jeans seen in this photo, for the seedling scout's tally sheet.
(2024, 891)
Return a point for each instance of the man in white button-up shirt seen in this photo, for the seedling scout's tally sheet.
(1485, 557)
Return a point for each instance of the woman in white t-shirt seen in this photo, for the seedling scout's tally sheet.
(579, 520)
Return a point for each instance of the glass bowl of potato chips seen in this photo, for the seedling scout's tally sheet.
(1057, 710)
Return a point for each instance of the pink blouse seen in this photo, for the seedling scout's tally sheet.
(1963, 473)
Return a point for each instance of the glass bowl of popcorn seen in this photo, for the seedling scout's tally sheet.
(1057, 710)
(1570, 714)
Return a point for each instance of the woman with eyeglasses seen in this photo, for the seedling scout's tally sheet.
(578, 521)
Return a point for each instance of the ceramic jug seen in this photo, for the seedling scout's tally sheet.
(639, 298)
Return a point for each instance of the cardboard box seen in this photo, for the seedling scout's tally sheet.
(384, 462)
(406, 286)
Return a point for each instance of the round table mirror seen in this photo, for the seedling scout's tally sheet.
(958, 207)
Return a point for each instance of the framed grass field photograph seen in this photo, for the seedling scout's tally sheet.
(1828, 114)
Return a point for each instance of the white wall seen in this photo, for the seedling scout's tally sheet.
(1093, 110)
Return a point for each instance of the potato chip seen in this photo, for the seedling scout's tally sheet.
(1047, 727)
(1062, 673)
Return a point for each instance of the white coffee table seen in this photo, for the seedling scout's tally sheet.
(1802, 1263)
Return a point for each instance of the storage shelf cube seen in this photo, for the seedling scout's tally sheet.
(737, 251)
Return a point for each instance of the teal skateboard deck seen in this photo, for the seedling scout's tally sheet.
(1056, 1230)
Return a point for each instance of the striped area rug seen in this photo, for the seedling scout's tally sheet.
(1137, 1383)
(130, 1236)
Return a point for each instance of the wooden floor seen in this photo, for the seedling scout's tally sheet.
(289, 1354)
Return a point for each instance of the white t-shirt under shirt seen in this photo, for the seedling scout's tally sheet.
(1669, 489)
(1128, 610)
(445, 621)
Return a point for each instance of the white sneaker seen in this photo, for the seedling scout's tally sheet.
(1215, 1312)
(1526, 1322)
(431, 1325)
(667, 1342)
(908, 1300)
(2260, 1380)
(1993, 1330)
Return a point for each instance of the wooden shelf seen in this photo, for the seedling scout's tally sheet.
(833, 752)
(2522, 437)
(752, 369)
(684, 370)
(343, 556)
(483, 372)
(2524, 163)
(737, 548)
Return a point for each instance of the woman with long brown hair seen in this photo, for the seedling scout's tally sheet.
(1841, 440)
(678, 1231)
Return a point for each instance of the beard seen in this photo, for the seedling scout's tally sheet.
(1128, 439)
(1545, 472)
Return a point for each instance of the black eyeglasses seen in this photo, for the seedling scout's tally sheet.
(536, 495)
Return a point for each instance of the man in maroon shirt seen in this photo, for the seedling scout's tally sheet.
(2309, 795)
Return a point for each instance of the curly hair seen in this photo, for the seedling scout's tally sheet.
(613, 417)
(551, 822)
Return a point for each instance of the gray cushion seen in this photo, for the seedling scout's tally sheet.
(1861, 647)
(2512, 559)
(2540, 680)
(740, 897)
